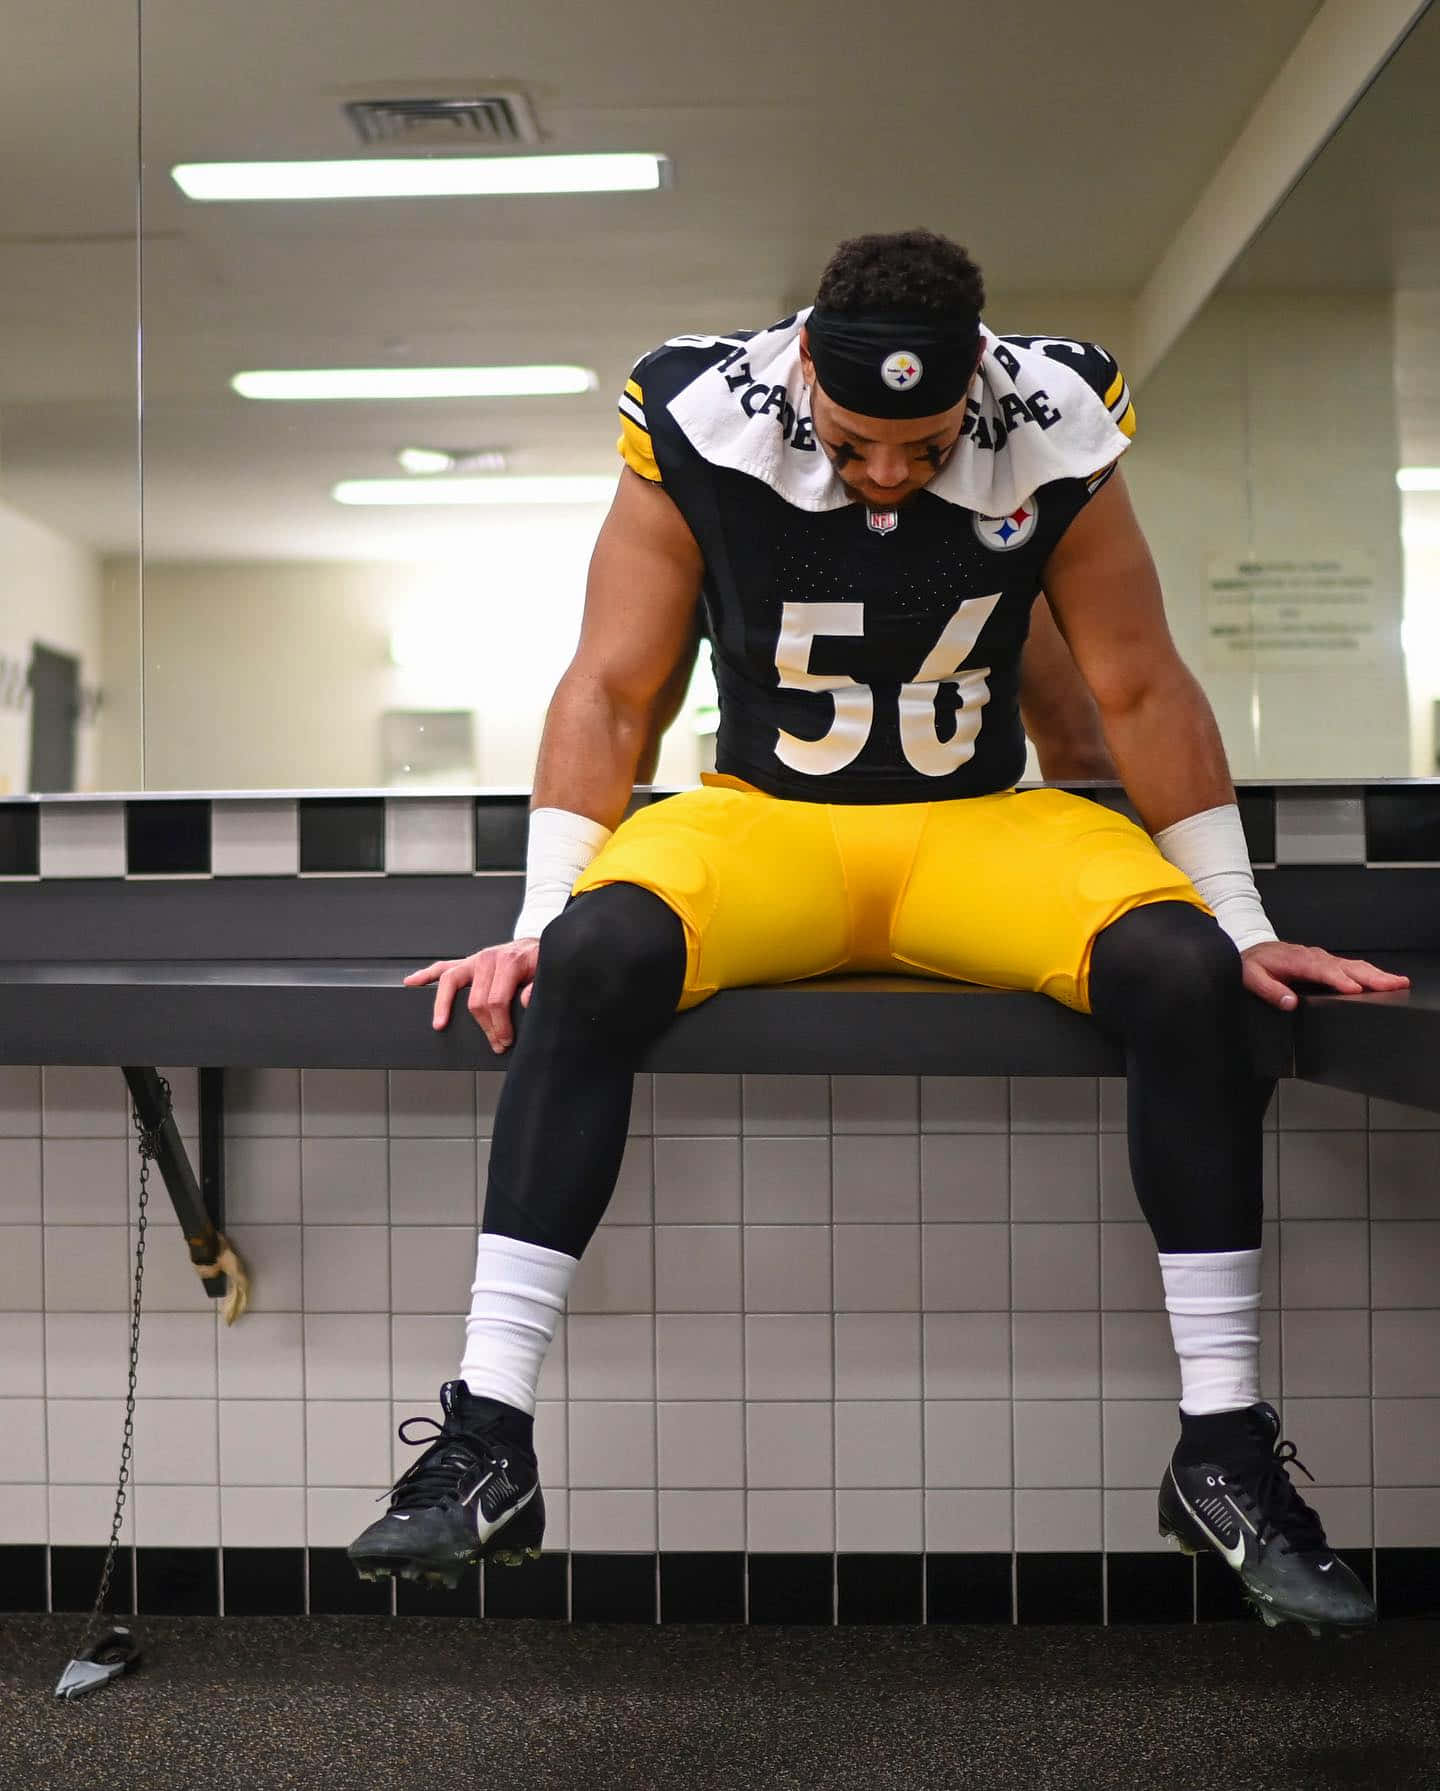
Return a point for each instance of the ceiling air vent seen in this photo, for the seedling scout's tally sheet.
(486, 121)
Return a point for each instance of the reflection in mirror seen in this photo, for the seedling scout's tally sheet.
(69, 497)
(1282, 425)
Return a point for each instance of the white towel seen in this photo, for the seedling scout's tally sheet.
(990, 481)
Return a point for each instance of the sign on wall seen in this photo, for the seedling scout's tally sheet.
(1296, 614)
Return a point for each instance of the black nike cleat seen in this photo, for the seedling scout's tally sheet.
(473, 1495)
(1239, 1503)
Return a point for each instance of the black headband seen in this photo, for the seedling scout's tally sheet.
(893, 365)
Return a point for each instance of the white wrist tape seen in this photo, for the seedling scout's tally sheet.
(560, 846)
(1210, 848)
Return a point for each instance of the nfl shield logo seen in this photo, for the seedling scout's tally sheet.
(882, 521)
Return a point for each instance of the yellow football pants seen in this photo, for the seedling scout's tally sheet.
(1008, 890)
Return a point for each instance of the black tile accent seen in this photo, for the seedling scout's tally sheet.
(1059, 1588)
(1257, 817)
(501, 826)
(178, 1582)
(22, 1577)
(167, 839)
(1402, 825)
(336, 1590)
(19, 839)
(1407, 1581)
(612, 1588)
(342, 833)
(263, 1582)
(1218, 1597)
(792, 1588)
(419, 1598)
(969, 1589)
(75, 1579)
(702, 1588)
(880, 1588)
(1153, 1587)
(538, 1589)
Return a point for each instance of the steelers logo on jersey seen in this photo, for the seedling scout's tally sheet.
(901, 370)
(1002, 533)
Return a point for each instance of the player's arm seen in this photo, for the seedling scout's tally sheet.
(1105, 594)
(1058, 710)
(667, 706)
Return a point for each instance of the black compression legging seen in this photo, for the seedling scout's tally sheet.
(1164, 979)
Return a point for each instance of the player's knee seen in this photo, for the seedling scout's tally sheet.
(1161, 965)
(615, 955)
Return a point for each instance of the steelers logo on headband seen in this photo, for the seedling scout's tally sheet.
(894, 364)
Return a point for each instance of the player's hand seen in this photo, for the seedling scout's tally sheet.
(492, 976)
(1272, 970)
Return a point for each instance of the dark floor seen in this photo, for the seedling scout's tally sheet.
(346, 1704)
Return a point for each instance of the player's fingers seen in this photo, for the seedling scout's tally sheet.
(428, 974)
(1333, 973)
(1371, 976)
(480, 996)
(499, 1028)
(526, 993)
(450, 981)
(1260, 982)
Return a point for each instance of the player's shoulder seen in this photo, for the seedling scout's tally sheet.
(672, 364)
(1094, 364)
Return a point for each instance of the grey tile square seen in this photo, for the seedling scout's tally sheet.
(1139, 1438)
(345, 1181)
(1325, 1262)
(633, 1202)
(87, 1269)
(347, 1269)
(700, 1355)
(262, 1180)
(877, 1442)
(1051, 1520)
(1053, 1104)
(175, 1444)
(701, 1522)
(20, 1181)
(778, 1105)
(432, 1104)
(1117, 1188)
(866, 1519)
(1404, 1174)
(697, 1268)
(692, 1106)
(262, 1103)
(20, 1111)
(1407, 1517)
(968, 1443)
(617, 1272)
(789, 1356)
(177, 1516)
(349, 1442)
(24, 1517)
(610, 1522)
(1319, 829)
(702, 1444)
(59, 1440)
(790, 1522)
(264, 1358)
(1407, 1441)
(262, 1516)
(255, 839)
(697, 1181)
(85, 1103)
(789, 1444)
(876, 1177)
(347, 1356)
(787, 1180)
(425, 1351)
(1057, 1442)
(1407, 1355)
(1114, 1103)
(82, 839)
(1333, 1438)
(1129, 1269)
(427, 835)
(611, 1356)
(612, 1443)
(1310, 1107)
(1328, 1353)
(84, 1181)
(1057, 1355)
(874, 1103)
(1055, 1268)
(1054, 1177)
(964, 1177)
(22, 1354)
(262, 1442)
(431, 1268)
(1398, 1116)
(343, 1103)
(432, 1181)
(1323, 1175)
(642, 1106)
(966, 1268)
(877, 1356)
(1137, 1357)
(877, 1268)
(180, 1355)
(975, 1522)
(84, 1357)
(81, 1515)
(967, 1355)
(1130, 1525)
(788, 1268)
(964, 1104)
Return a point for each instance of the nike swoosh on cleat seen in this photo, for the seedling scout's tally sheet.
(485, 1531)
(1236, 1555)
(1326, 1568)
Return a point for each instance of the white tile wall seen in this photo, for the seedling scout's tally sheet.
(821, 1311)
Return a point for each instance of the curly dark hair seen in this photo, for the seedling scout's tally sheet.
(908, 270)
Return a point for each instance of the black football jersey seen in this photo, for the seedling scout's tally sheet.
(862, 655)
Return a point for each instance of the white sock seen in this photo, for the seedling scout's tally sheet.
(1213, 1299)
(518, 1294)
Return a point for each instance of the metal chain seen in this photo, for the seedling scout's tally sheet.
(149, 1144)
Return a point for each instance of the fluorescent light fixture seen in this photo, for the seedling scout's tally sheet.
(582, 488)
(1418, 478)
(428, 461)
(321, 383)
(418, 177)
